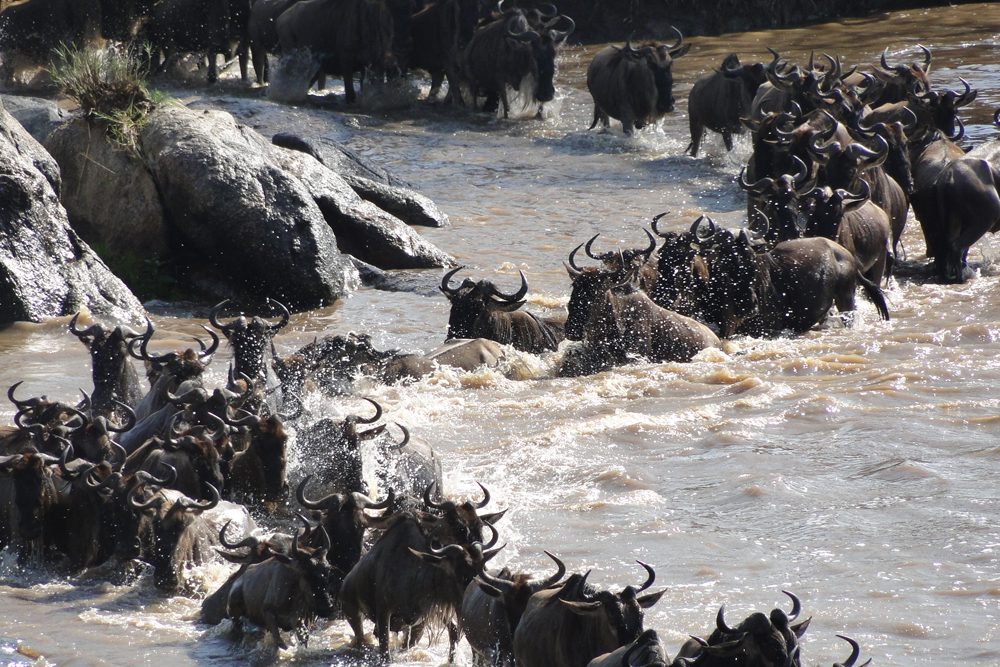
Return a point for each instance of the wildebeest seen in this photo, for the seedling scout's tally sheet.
(336, 448)
(191, 452)
(718, 100)
(410, 466)
(633, 85)
(492, 608)
(258, 472)
(205, 27)
(114, 376)
(645, 651)
(29, 31)
(249, 338)
(792, 286)
(440, 32)
(263, 34)
(511, 52)
(284, 592)
(403, 582)
(570, 625)
(480, 310)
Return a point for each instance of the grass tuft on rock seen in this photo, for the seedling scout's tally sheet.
(110, 87)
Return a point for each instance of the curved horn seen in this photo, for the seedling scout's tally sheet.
(927, 56)
(300, 495)
(559, 35)
(496, 536)
(756, 188)
(364, 502)
(148, 478)
(680, 39)
(486, 497)
(720, 621)
(196, 396)
(802, 174)
(406, 436)
(249, 421)
(129, 418)
(656, 220)
(152, 503)
(796, 606)
(21, 405)
(378, 412)
(652, 244)
(212, 348)
(572, 254)
(855, 652)
(696, 228)
(447, 279)
(122, 456)
(650, 579)
(517, 296)
(108, 481)
(427, 497)
(285, 315)
(203, 505)
(554, 579)
(80, 333)
(961, 130)
(603, 257)
(248, 541)
(213, 316)
(885, 64)
(86, 405)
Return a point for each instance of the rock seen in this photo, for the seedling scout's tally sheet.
(422, 283)
(339, 157)
(363, 230)
(109, 194)
(36, 115)
(46, 270)
(231, 204)
(409, 206)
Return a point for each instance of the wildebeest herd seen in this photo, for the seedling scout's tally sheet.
(173, 477)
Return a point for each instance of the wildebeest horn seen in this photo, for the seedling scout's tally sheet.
(77, 415)
(324, 539)
(873, 158)
(202, 505)
(486, 497)
(86, 404)
(80, 333)
(547, 10)
(196, 396)
(212, 348)
(587, 249)
(830, 149)
(511, 298)
(406, 436)
(144, 337)
(696, 228)
(110, 480)
(756, 188)
(250, 420)
(855, 652)
(968, 96)
(248, 541)
(652, 245)
(122, 456)
(720, 621)
(800, 176)
(927, 57)
(656, 220)
(300, 495)
(559, 35)
(961, 130)
(572, 254)
(152, 503)
(885, 64)
(526, 35)
(496, 536)
(680, 38)
(366, 503)
(22, 405)
(147, 477)
(767, 225)
(213, 316)
(79, 467)
(581, 587)
(285, 315)
(299, 534)
(554, 579)
(796, 606)
(649, 580)
(427, 497)
(447, 279)
(378, 412)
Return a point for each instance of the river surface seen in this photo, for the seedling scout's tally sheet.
(856, 467)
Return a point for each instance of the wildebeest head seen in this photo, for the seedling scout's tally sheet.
(460, 523)
(588, 285)
(316, 568)
(462, 561)
(760, 641)
(751, 76)
(731, 293)
(777, 199)
(538, 61)
(34, 493)
(262, 473)
(194, 453)
(829, 207)
(681, 272)
(939, 110)
(513, 591)
(659, 58)
(186, 365)
(249, 338)
(623, 612)
(899, 80)
(339, 442)
(472, 301)
(114, 377)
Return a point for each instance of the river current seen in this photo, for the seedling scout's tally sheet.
(855, 467)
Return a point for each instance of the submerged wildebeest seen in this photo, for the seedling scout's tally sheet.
(633, 85)
(719, 100)
(513, 52)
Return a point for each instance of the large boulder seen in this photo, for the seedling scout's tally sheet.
(363, 229)
(36, 115)
(46, 270)
(233, 206)
(110, 195)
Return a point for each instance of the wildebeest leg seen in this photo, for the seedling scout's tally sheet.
(597, 117)
(437, 78)
(453, 638)
(382, 633)
(506, 102)
(349, 93)
(696, 133)
(243, 54)
(353, 617)
(727, 137)
(628, 126)
(213, 72)
(259, 57)
(492, 102)
(413, 634)
(271, 623)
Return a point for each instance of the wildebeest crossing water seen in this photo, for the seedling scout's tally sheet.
(854, 467)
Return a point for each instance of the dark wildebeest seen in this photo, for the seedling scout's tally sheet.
(410, 466)
(335, 446)
(263, 33)
(249, 338)
(191, 452)
(718, 100)
(480, 310)
(29, 31)
(680, 271)
(633, 85)
(114, 376)
(404, 583)
(285, 592)
(343, 517)
(258, 472)
(570, 625)
(492, 608)
(792, 286)
(759, 641)
(440, 32)
(205, 27)
(646, 651)
(458, 523)
(512, 52)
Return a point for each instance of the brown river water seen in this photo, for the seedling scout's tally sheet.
(856, 467)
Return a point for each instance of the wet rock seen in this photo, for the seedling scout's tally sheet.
(229, 203)
(46, 270)
(108, 193)
(362, 229)
(36, 115)
(422, 283)
(339, 157)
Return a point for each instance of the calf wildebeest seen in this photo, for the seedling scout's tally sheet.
(403, 582)
(510, 52)
(646, 651)
(633, 85)
(114, 376)
(284, 592)
(480, 310)
(570, 625)
(789, 287)
(492, 608)
(718, 100)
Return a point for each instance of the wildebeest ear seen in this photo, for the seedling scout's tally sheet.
(726, 649)
(573, 273)
(582, 608)
(233, 558)
(505, 307)
(433, 559)
(489, 589)
(681, 51)
(647, 601)
(800, 628)
(494, 517)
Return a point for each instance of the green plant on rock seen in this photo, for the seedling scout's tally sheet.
(110, 87)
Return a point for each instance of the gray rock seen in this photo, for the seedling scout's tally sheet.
(422, 283)
(232, 204)
(109, 194)
(339, 157)
(36, 115)
(409, 206)
(363, 230)
(46, 270)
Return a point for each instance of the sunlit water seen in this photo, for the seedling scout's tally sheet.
(855, 467)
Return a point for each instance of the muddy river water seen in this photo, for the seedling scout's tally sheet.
(856, 467)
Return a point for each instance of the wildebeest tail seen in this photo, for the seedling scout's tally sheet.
(874, 295)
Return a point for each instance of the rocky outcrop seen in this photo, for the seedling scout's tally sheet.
(110, 195)
(232, 207)
(46, 270)
(36, 115)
